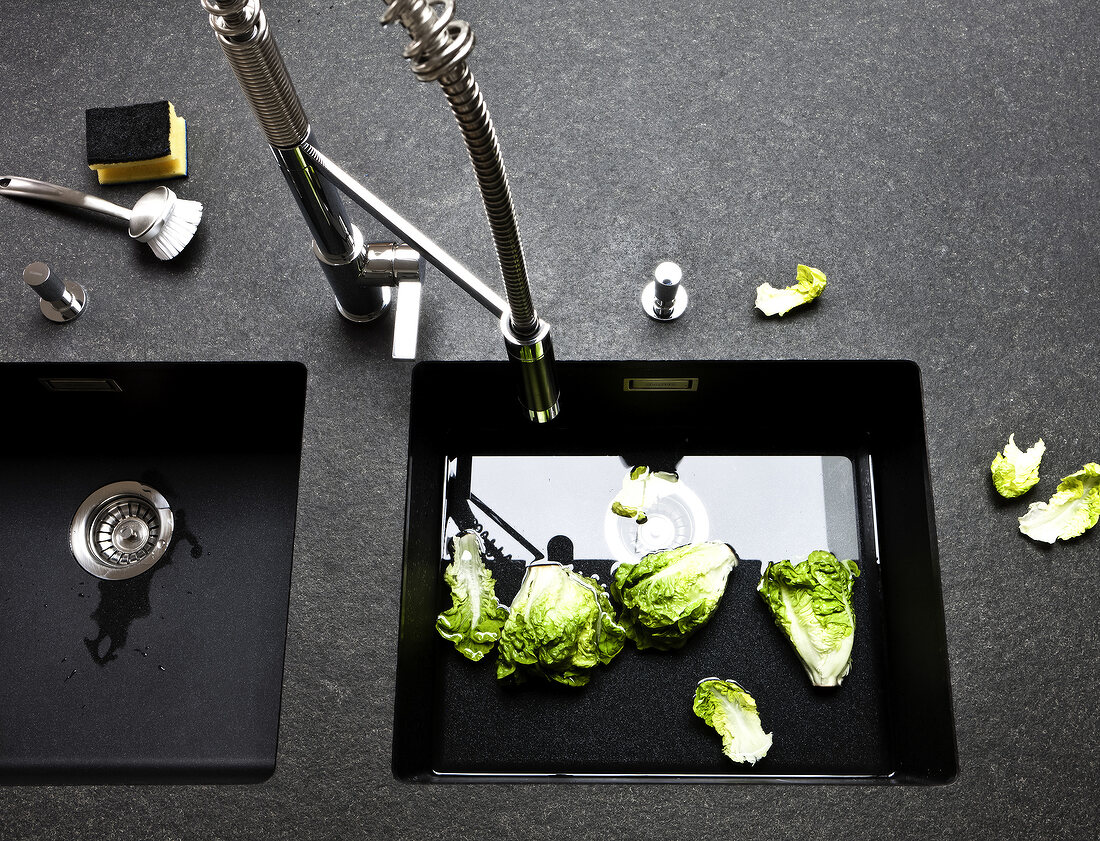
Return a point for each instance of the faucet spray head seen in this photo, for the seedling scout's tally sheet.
(533, 361)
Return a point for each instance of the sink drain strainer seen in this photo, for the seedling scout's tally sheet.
(121, 530)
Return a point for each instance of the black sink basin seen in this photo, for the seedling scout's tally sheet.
(173, 674)
(775, 458)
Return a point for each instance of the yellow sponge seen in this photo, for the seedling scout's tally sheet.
(144, 142)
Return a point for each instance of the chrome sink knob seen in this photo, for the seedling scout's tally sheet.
(663, 298)
(62, 300)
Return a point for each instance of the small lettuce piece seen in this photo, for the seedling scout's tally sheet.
(811, 603)
(771, 301)
(730, 710)
(667, 596)
(1015, 472)
(475, 619)
(560, 626)
(1073, 510)
(636, 493)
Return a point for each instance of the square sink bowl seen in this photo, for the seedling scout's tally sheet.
(158, 656)
(776, 459)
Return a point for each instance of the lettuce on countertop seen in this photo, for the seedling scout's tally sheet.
(809, 284)
(1073, 510)
(1015, 472)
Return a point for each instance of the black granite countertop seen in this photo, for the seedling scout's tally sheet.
(937, 161)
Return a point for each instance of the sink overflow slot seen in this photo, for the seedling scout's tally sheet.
(79, 384)
(661, 384)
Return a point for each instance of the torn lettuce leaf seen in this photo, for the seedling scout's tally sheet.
(560, 626)
(1014, 471)
(667, 596)
(1073, 510)
(729, 709)
(809, 284)
(811, 603)
(641, 487)
(475, 618)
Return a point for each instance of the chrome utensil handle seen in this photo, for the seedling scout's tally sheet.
(30, 188)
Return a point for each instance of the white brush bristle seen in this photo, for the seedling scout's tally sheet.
(177, 230)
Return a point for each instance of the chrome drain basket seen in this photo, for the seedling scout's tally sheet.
(121, 530)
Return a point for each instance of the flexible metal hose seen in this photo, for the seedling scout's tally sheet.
(438, 52)
(250, 48)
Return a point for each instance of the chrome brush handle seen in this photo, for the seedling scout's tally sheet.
(30, 188)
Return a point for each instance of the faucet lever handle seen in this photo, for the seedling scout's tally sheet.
(409, 271)
(406, 319)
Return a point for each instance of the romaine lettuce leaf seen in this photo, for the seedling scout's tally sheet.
(667, 596)
(732, 711)
(560, 626)
(771, 301)
(811, 603)
(475, 618)
(641, 487)
(1073, 510)
(1014, 471)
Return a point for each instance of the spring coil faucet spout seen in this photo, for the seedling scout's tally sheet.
(438, 50)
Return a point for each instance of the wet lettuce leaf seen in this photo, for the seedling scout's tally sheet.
(641, 487)
(809, 284)
(560, 626)
(811, 602)
(729, 709)
(1015, 472)
(667, 596)
(475, 618)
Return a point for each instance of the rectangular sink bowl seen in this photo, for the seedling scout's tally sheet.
(129, 655)
(776, 459)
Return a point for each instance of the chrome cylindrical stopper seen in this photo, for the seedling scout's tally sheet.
(663, 298)
(62, 300)
(668, 276)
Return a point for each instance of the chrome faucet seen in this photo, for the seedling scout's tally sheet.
(363, 275)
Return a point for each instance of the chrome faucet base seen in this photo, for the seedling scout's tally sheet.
(402, 227)
(385, 298)
(361, 294)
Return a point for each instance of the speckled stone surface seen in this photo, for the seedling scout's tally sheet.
(937, 161)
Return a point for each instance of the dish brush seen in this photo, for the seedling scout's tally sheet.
(162, 220)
